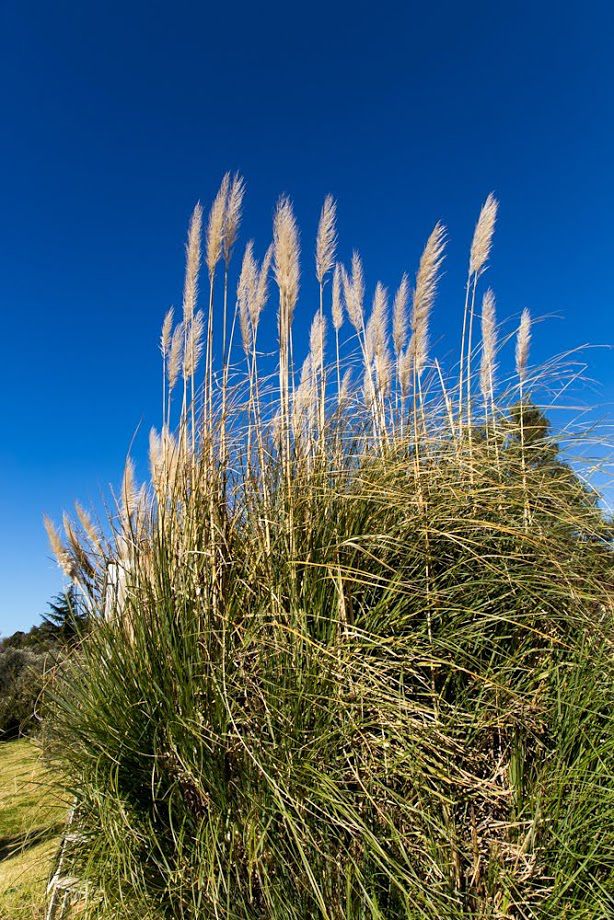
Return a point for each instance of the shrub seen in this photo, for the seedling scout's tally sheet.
(357, 653)
(25, 659)
(21, 683)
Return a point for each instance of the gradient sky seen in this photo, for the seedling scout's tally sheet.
(116, 117)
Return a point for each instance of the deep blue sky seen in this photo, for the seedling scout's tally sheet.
(116, 117)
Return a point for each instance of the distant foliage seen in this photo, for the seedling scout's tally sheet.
(25, 658)
(21, 680)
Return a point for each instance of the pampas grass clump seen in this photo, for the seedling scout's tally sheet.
(352, 651)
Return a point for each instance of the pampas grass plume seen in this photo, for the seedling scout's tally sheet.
(88, 527)
(376, 333)
(399, 316)
(317, 339)
(354, 292)
(337, 304)
(406, 365)
(286, 254)
(482, 237)
(215, 226)
(176, 355)
(346, 386)
(424, 293)
(262, 288)
(195, 344)
(489, 344)
(155, 460)
(193, 247)
(303, 396)
(129, 490)
(383, 371)
(245, 294)
(167, 328)
(232, 220)
(523, 340)
(326, 240)
(59, 550)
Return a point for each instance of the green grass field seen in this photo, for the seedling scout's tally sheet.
(31, 820)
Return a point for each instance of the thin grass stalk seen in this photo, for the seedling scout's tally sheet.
(461, 408)
(469, 378)
(522, 355)
(224, 374)
(480, 251)
(165, 343)
(423, 511)
(337, 318)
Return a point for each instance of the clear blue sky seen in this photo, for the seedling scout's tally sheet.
(117, 116)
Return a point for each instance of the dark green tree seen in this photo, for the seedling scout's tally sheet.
(67, 619)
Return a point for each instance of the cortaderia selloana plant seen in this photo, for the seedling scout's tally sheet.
(351, 651)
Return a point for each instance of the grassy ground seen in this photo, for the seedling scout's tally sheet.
(31, 819)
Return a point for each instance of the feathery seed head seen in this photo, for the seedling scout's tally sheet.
(489, 345)
(379, 316)
(346, 383)
(406, 367)
(233, 215)
(337, 306)
(88, 526)
(69, 530)
(79, 555)
(245, 287)
(129, 490)
(245, 294)
(522, 345)
(155, 460)
(368, 388)
(252, 293)
(399, 316)
(286, 256)
(262, 288)
(194, 345)
(346, 285)
(376, 332)
(317, 339)
(358, 283)
(245, 325)
(215, 226)
(60, 552)
(326, 241)
(383, 371)
(419, 350)
(303, 397)
(167, 327)
(354, 292)
(176, 355)
(140, 517)
(483, 234)
(192, 266)
(170, 457)
(424, 293)
(306, 372)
